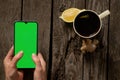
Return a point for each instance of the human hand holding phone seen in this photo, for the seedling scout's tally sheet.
(40, 70)
(12, 73)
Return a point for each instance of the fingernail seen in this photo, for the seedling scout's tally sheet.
(33, 54)
(21, 52)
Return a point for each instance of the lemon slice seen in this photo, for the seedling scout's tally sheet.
(69, 14)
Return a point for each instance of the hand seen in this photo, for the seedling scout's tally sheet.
(11, 72)
(40, 70)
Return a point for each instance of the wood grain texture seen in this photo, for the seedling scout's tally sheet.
(114, 41)
(9, 13)
(95, 64)
(66, 56)
(39, 11)
(68, 63)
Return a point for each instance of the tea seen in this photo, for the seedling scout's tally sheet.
(87, 23)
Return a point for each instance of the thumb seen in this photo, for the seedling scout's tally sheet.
(36, 61)
(17, 57)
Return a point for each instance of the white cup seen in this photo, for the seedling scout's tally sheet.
(88, 24)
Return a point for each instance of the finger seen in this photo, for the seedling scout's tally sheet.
(43, 63)
(10, 53)
(17, 57)
(37, 61)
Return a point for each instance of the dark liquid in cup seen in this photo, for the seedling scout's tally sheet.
(87, 23)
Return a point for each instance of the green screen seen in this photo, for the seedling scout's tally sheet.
(25, 39)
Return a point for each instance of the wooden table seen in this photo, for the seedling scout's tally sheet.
(58, 42)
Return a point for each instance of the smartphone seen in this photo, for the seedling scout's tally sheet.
(26, 40)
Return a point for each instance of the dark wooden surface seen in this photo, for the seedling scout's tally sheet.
(114, 41)
(67, 60)
(59, 44)
(10, 11)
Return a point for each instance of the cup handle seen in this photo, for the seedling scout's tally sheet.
(104, 14)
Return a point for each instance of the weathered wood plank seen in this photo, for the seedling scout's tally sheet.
(66, 55)
(10, 11)
(114, 41)
(95, 63)
(40, 11)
